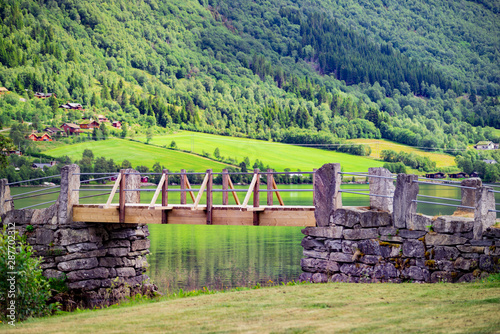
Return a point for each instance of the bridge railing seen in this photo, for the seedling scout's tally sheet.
(34, 193)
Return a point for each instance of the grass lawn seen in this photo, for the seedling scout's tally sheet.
(378, 145)
(137, 154)
(309, 308)
(276, 155)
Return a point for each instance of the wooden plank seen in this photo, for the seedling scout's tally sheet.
(209, 196)
(249, 192)
(235, 196)
(200, 193)
(256, 198)
(113, 191)
(158, 190)
(183, 186)
(225, 194)
(280, 200)
(189, 187)
(270, 179)
(122, 196)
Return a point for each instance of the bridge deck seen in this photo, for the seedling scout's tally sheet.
(186, 214)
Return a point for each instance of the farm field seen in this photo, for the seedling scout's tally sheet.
(378, 145)
(311, 308)
(137, 154)
(277, 155)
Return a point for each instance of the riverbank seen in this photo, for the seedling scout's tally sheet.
(304, 308)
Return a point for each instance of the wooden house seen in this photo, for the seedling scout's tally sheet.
(117, 124)
(40, 137)
(102, 118)
(71, 128)
(485, 145)
(89, 125)
(144, 179)
(53, 131)
(474, 174)
(437, 175)
(3, 90)
(73, 106)
(459, 175)
(44, 95)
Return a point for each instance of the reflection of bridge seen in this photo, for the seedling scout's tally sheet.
(129, 210)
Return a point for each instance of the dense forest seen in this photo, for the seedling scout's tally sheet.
(422, 73)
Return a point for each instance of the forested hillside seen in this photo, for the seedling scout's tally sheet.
(422, 73)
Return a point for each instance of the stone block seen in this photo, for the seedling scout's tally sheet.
(85, 285)
(446, 253)
(139, 245)
(357, 269)
(347, 217)
(359, 234)
(482, 243)
(129, 262)
(305, 277)
(467, 278)
(444, 265)
(413, 248)
(88, 274)
(417, 274)
(317, 265)
(383, 231)
(310, 243)
(421, 222)
(487, 263)
(110, 262)
(471, 249)
(94, 253)
(127, 233)
(349, 247)
(117, 243)
(469, 195)
(390, 238)
(441, 276)
(483, 218)
(341, 257)
(492, 232)
(125, 272)
(390, 249)
(118, 251)
(315, 255)
(343, 278)
(77, 264)
(453, 224)
(370, 259)
(83, 247)
(369, 247)
(65, 237)
(327, 197)
(464, 264)
(409, 234)
(385, 271)
(381, 186)
(333, 245)
(331, 232)
(404, 208)
(51, 273)
(44, 236)
(435, 239)
(319, 278)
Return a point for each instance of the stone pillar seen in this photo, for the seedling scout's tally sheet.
(5, 195)
(132, 181)
(380, 186)
(483, 218)
(469, 195)
(404, 207)
(68, 197)
(327, 197)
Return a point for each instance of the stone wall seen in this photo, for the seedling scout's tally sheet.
(100, 263)
(376, 245)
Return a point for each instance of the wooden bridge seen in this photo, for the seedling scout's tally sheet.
(129, 210)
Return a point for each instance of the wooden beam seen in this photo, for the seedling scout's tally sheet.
(269, 181)
(200, 193)
(183, 186)
(113, 191)
(157, 192)
(122, 196)
(249, 192)
(256, 197)
(190, 192)
(209, 196)
(278, 195)
(231, 186)
(225, 194)
(164, 198)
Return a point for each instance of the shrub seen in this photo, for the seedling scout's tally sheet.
(21, 280)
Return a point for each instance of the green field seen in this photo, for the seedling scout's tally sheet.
(138, 154)
(310, 308)
(276, 155)
(378, 145)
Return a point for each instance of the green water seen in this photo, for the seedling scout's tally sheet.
(193, 256)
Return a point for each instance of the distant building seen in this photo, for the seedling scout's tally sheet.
(117, 124)
(490, 162)
(485, 145)
(71, 128)
(3, 90)
(53, 131)
(40, 137)
(474, 174)
(438, 175)
(73, 106)
(102, 118)
(89, 125)
(10, 152)
(144, 179)
(44, 95)
(43, 165)
(459, 175)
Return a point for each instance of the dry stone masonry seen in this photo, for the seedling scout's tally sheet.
(100, 263)
(392, 243)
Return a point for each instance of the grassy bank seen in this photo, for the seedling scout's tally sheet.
(276, 155)
(340, 308)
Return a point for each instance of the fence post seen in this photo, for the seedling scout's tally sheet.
(327, 197)
(122, 196)
(469, 196)
(269, 181)
(183, 186)
(380, 186)
(5, 195)
(209, 196)
(225, 183)
(68, 197)
(164, 197)
(256, 197)
(404, 206)
(483, 217)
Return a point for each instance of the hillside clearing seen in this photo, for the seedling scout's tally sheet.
(137, 154)
(277, 155)
(334, 307)
(378, 145)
